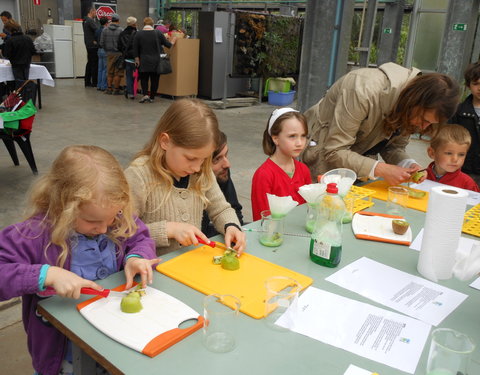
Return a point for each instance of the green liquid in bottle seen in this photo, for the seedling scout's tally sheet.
(325, 254)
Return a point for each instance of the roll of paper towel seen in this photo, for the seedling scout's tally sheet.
(443, 226)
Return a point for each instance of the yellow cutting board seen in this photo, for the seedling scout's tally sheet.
(381, 192)
(195, 269)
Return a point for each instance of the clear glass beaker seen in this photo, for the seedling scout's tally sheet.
(272, 229)
(449, 352)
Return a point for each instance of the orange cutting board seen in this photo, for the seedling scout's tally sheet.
(381, 192)
(195, 269)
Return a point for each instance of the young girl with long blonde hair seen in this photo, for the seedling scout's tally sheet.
(173, 182)
(80, 229)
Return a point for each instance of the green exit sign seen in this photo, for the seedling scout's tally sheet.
(460, 26)
(387, 30)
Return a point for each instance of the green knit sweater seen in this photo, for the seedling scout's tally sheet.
(183, 205)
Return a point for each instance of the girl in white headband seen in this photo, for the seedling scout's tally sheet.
(281, 174)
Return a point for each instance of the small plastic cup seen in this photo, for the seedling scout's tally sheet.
(449, 352)
(272, 229)
(220, 324)
(397, 200)
(281, 298)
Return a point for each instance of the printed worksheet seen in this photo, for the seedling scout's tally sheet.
(476, 284)
(380, 335)
(355, 370)
(409, 294)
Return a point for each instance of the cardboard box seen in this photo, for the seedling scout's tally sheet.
(183, 81)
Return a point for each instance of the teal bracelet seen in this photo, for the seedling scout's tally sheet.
(132, 256)
(42, 277)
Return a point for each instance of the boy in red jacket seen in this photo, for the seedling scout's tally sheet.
(448, 149)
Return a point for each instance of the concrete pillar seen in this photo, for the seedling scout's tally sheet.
(457, 44)
(65, 11)
(368, 27)
(390, 32)
(326, 39)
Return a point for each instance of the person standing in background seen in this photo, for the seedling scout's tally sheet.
(125, 46)
(147, 46)
(18, 49)
(109, 42)
(102, 57)
(91, 69)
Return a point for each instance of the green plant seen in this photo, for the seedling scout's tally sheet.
(266, 45)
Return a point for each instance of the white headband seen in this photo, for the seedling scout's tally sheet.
(276, 114)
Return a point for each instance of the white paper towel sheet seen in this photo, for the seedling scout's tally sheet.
(443, 226)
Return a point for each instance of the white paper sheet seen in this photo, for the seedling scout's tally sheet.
(218, 35)
(464, 245)
(374, 333)
(476, 284)
(472, 200)
(354, 370)
(409, 294)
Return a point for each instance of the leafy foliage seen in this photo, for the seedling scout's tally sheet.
(267, 45)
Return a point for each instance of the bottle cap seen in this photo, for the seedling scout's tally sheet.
(332, 188)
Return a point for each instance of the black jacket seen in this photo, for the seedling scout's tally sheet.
(125, 42)
(228, 190)
(145, 47)
(19, 49)
(89, 28)
(467, 117)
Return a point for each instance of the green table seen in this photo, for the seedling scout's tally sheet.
(261, 350)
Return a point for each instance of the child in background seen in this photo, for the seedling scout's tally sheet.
(80, 229)
(468, 115)
(448, 149)
(173, 182)
(281, 174)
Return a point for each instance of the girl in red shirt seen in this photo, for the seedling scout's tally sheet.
(281, 174)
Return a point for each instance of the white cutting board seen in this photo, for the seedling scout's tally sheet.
(150, 331)
(378, 227)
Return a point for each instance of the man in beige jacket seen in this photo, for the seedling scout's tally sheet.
(374, 111)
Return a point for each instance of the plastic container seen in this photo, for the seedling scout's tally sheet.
(280, 98)
(277, 85)
(326, 240)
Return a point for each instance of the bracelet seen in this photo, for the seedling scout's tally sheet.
(132, 256)
(42, 277)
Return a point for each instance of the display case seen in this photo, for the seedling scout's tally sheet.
(183, 81)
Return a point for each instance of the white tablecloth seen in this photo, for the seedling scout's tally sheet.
(36, 72)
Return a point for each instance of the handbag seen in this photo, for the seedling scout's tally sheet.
(164, 66)
(120, 62)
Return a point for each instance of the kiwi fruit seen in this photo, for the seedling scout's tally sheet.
(417, 176)
(417, 194)
(400, 226)
(131, 303)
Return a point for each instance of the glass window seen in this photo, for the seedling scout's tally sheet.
(433, 4)
(428, 40)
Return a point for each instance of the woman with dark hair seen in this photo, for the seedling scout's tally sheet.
(374, 111)
(18, 49)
